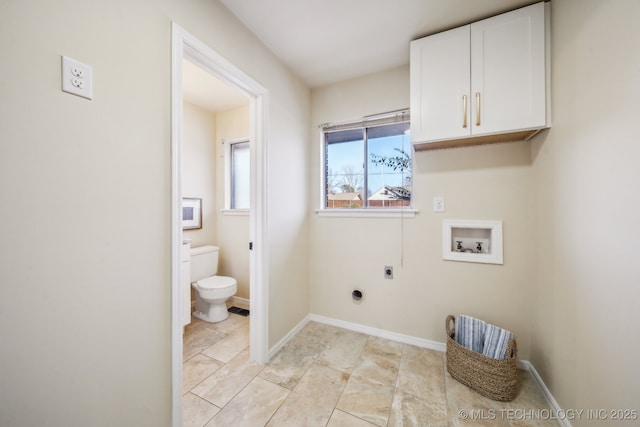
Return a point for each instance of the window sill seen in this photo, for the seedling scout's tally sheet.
(235, 212)
(368, 213)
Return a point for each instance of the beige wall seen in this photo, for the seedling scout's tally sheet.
(568, 287)
(85, 219)
(233, 230)
(199, 170)
(479, 183)
(203, 176)
(586, 210)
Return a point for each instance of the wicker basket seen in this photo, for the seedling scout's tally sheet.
(492, 378)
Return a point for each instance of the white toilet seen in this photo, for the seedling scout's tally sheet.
(211, 291)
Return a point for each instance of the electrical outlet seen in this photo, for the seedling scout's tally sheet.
(438, 204)
(388, 272)
(78, 82)
(77, 71)
(77, 78)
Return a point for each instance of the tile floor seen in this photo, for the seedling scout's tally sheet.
(328, 376)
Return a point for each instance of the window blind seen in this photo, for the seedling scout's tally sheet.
(397, 116)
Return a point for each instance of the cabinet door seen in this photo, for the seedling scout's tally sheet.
(508, 71)
(439, 71)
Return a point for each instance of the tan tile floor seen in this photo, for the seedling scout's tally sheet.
(328, 376)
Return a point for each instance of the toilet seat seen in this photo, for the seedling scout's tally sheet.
(215, 282)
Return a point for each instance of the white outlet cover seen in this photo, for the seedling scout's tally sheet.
(438, 204)
(77, 78)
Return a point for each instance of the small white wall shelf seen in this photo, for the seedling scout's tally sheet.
(472, 241)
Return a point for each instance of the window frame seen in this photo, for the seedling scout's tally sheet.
(228, 196)
(365, 211)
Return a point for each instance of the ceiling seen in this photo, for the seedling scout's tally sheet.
(204, 90)
(326, 41)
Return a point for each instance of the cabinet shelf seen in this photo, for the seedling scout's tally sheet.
(477, 140)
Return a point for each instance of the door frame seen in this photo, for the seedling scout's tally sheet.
(186, 46)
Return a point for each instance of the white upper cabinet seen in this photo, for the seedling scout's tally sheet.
(439, 68)
(508, 71)
(481, 83)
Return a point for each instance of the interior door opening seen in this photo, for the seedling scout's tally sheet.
(187, 47)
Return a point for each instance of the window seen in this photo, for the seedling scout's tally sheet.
(368, 164)
(239, 174)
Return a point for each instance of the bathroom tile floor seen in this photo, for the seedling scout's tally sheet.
(328, 376)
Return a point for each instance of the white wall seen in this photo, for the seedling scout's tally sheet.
(85, 213)
(585, 322)
(485, 183)
(199, 170)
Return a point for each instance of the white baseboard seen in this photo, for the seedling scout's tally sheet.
(555, 408)
(240, 302)
(276, 348)
(418, 342)
(381, 333)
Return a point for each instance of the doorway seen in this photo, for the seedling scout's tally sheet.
(187, 47)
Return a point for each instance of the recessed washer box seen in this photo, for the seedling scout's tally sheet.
(472, 241)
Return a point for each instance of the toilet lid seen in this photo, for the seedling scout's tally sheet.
(216, 282)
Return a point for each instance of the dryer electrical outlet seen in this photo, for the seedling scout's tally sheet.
(77, 78)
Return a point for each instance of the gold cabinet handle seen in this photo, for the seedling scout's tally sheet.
(477, 108)
(464, 108)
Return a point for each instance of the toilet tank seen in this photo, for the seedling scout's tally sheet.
(204, 262)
